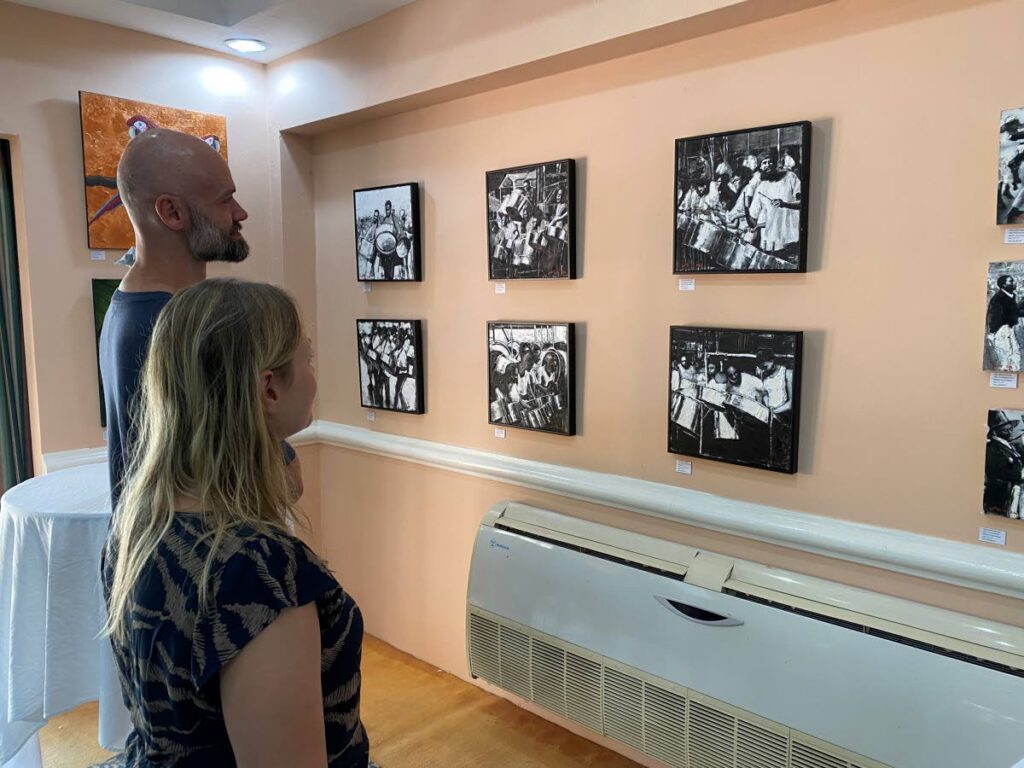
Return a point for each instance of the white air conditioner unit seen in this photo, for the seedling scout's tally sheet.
(705, 662)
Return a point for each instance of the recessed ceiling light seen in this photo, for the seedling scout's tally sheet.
(246, 45)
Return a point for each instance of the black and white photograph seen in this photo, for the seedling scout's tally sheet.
(1010, 197)
(531, 376)
(734, 396)
(741, 200)
(1004, 464)
(531, 222)
(388, 233)
(390, 365)
(1004, 333)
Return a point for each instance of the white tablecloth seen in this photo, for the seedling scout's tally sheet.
(51, 607)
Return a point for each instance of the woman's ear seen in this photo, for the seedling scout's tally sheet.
(269, 394)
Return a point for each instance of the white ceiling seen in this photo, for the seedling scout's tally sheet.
(285, 25)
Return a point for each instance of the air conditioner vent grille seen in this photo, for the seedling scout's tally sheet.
(623, 707)
(583, 691)
(665, 725)
(712, 737)
(684, 729)
(515, 662)
(809, 757)
(483, 648)
(547, 665)
(758, 747)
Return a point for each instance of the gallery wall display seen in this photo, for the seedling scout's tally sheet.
(387, 231)
(1004, 464)
(1004, 334)
(390, 365)
(531, 221)
(741, 200)
(102, 293)
(531, 376)
(734, 395)
(108, 124)
(1010, 194)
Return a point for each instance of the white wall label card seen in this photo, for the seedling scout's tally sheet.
(367, 287)
(499, 432)
(371, 416)
(993, 536)
(1001, 380)
(1013, 236)
(98, 255)
(684, 467)
(499, 288)
(687, 284)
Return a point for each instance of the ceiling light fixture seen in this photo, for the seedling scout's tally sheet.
(246, 45)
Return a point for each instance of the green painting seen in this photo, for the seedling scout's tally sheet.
(102, 292)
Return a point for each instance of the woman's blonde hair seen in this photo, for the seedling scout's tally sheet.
(201, 430)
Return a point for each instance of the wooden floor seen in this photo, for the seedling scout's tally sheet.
(416, 716)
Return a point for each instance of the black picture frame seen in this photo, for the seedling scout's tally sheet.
(718, 238)
(550, 382)
(729, 421)
(545, 249)
(386, 358)
(379, 253)
(1002, 494)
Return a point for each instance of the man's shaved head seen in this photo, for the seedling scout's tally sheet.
(174, 184)
(163, 162)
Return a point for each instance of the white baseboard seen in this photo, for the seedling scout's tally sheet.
(951, 562)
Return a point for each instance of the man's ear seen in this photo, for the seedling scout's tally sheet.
(172, 213)
(269, 396)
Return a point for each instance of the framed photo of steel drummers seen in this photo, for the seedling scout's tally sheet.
(734, 395)
(387, 227)
(531, 376)
(531, 222)
(390, 365)
(741, 200)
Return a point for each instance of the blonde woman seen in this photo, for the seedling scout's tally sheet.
(235, 644)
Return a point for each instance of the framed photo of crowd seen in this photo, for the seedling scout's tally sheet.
(387, 228)
(741, 200)
(531, 376)
(734, 396)
(390, 365)
(531, 222)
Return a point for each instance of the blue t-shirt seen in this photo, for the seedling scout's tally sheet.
(124, 342)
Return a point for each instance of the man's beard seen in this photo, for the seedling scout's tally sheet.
(207, 243)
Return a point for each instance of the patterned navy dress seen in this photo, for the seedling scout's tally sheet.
(168, 667)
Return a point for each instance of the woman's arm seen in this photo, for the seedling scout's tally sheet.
(271, 695)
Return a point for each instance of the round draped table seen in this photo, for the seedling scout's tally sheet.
(52, 529)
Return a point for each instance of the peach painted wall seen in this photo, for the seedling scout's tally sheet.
(905, 99)
(45, 59)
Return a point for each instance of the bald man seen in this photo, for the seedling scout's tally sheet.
(180, 197)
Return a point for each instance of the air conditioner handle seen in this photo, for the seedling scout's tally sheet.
(699, 615)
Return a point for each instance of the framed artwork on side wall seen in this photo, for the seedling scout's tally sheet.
(390, 365)
(1004, 333)
(734, 396)
(1004, 464)
(387, 228)
(531, 222)
(741, 200)
(531, 376)
(108, 124)
(1010, 194)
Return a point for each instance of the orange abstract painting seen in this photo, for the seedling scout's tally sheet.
(108, 124)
